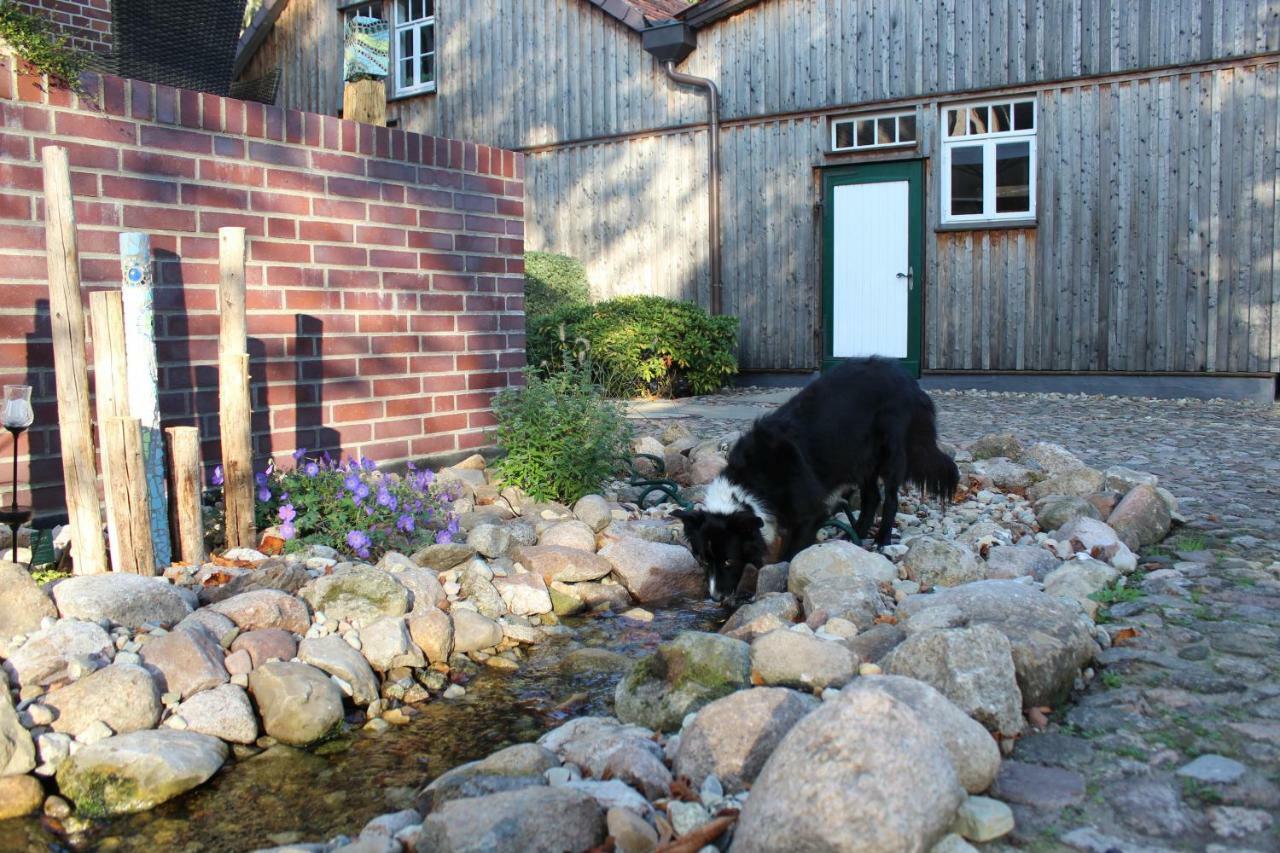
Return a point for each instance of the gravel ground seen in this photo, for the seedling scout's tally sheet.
(1201, 678)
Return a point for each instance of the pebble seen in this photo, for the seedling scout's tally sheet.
(455, 691)
(869, 669)
(1213, 768)
(686, 817)
(983, 819)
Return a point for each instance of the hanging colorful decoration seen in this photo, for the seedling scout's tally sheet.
(367, 53)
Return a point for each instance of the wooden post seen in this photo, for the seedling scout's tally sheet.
(365, 101)
(75, 429)
(110, 390)
(188, 521)
(235, 411)
(122, 440)
(144, 401)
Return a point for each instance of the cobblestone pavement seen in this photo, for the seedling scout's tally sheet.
(1200, 681)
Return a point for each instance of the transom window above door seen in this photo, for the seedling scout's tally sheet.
(884, 130)
(989, 161)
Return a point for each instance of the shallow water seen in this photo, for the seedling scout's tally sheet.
(286, 795)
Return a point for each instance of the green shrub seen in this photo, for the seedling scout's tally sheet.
(33, 38)
(562, 438)
(552, 282)
(642, 345)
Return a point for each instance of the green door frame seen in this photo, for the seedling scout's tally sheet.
(911, 171)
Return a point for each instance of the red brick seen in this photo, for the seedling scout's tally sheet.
(15, 206)
(150, 163)
(364, 411)
(430, 240)
(381, 324)
(220, 171)
(211, 221)
(263, 250)
(485, 361)
(83, 156)
(389, 258)
(273, 202)
(444, 423)
(159, 218)
(285, 180)
(135, 189)
(204, 196)
(349, 256)
(415, 405)
(170, 139)
(486, 223)
(283, 229)
(332, 209)
(510, 207)
(381, 236)
(398, 428)
(354, 188)
(326, 232)
(280, 155)
(95, 127)
(432, 444)
(441, 261)
(440, 302)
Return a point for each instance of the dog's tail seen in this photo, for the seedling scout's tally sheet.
(932, 471)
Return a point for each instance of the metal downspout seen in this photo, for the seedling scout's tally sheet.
(713, 171)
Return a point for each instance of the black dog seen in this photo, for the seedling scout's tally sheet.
(861, 422)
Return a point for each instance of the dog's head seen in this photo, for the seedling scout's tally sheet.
(724, 544)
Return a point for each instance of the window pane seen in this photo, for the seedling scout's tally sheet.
(866, 131)
(406, 59)
(1000, 118)
(844, 134)
(977, 120)
(430, 8)
(429, 68)
(428, 39)
(907, 128)
(885, 134)
(955, 122)
(966, 179)
(1013, 177)
(1024, 115)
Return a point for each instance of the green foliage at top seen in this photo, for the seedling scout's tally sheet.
(552, 282)
(34, 39)
(642, 345)
(562, 438)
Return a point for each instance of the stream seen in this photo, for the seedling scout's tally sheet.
(284, 795)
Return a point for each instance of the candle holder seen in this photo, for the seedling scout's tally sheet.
(17, 416)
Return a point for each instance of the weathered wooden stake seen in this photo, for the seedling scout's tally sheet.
(122, 440)
(66, 312)
(184, 465)
(144, 401)
(235, 412)
(110, 389)
(365, 101)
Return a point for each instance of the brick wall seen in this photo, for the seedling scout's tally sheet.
(385, 269)
(86, 23)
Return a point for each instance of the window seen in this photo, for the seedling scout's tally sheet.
(854, 133)
(989, 161)
(413, 46)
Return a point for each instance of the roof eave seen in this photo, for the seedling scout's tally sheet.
(709, 11)
(256, 33)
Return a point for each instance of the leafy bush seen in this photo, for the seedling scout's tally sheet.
(552, 282)
(562, 438)
(33, 38)
(642, 344)
(352, 507)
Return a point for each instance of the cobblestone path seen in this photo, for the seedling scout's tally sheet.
(1175, 744)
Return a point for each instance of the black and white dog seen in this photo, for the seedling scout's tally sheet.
(862, 422)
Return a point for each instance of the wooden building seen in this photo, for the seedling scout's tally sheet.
(976, 186)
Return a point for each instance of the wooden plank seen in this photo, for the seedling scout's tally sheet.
(110, 389)
(187, 517)
(122, 439)
(66, 314)
(235, 410)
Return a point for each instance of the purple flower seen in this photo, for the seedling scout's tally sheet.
(368, 511)
(217, 478)
(287, 530)
(358, 542)
(288, 513)
(260, 478)
(362, 491)
(299, 453)
(327, 459)
(264, 494)
(453, 525)
(352, 482)
(368, 464)
(312, 469)
(444, 537)
(405, 523)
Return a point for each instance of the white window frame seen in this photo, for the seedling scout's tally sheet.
(417, 27)
(896, 115)
(988, 143)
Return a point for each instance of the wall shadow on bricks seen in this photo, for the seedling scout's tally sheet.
(310, 430)
(40, 443)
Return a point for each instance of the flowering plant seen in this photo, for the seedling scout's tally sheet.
(352, 506)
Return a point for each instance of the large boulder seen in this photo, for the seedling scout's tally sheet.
(22, 795)
(519, 766)
(597, 745)
(732, 737)
(358, 595)
(432, 632)
(1050, 638)
(681, 676)
(265, 608)
(1074, 482)
(570, 534)
(524, 594)
(557, 563)
(837, 559)
(594, 511)
(223, 712)
(298, 703)
(123, 696)
(1053, 458)
(530, 820)
(185, 661)
(654, 572)
(138, 771)
(1004, 473)
(996, 444)
(22, 604)
(473, 632)
(335, 656)
(1078, 580)
(17, 750)
(424, 587)
(787, 658)
(46, 656)
(479, 591)
(1141, 518)
(123, 598)
(1009, 562)
(266, 644)
(768, 612)
(934, 561)
(861, 773)
(386, 644)
(974, 752)
(443, 556)
(270, 574)
(1092, 537)
(491, 540)
(1055, 511)
(972, 667)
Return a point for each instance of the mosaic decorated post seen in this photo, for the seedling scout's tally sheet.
(144, 404)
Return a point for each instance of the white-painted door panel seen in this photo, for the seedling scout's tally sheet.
(869, 314)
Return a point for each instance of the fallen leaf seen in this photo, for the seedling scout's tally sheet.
(699, 837)
(219, 560)
(1124, 635)
(682, 789)
(271, 545)
(1037, 718)
(887, 619)
(756, 680)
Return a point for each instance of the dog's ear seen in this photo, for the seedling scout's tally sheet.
(746, 522)
(693, 519)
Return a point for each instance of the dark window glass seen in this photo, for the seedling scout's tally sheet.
(1000, 119)
(966, 180)
(406, 58)
(1024, 115)
(428, 40)
(428, 68)
(1013, 177)
(866, 131)
(955, 122)
(906, 128)
(885, 133)
(844, 134)
(977, 120)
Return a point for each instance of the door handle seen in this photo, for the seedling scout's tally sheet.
(909, 276)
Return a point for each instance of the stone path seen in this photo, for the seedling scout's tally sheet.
(1176, 742)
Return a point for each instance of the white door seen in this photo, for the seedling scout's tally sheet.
(870, 276)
